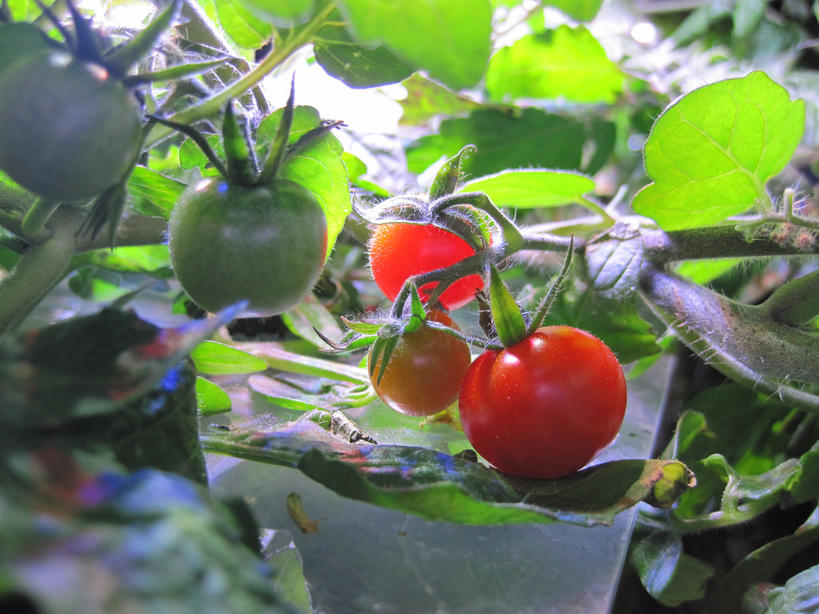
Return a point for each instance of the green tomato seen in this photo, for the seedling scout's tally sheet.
(264, 244)
(69, 130)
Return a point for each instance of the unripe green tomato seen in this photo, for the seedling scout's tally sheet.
(68, 130)
(264, 244)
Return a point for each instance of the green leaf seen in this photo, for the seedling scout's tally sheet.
(579, 10)
(710, 153)
(91, 365)
(530, 188)
(567, 64)
(318, 166)
(799, 595)
(440, 487)
(669, 575)
(450, 39)
(176, 548)
(704, 271)
(282, 360)
(762, 564)
(357, 65)
(243, 27)
(617, 323)
(211, 398)
(747, 15)
(613, 262)
(427, 99)
(282, 13)
(153, 193)
(213, 358)
(18, 40)
(449, 175)
(506, 314)
(308, 315)
(531, 138)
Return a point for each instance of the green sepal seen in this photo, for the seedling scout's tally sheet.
(555, 288)
(198, 138)
(364, 328)
(383, 349)
(509, 323)
(58, 24)
(240, 167)
(417, 314)
(86, 46)
(124, 57)
(279, 147)
(173, 73)
(106, 211)
(450, 173)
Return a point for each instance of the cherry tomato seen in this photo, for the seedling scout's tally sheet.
(264, 244)
(69, 130)
(544, 407)
(399, 251)
(424, 373)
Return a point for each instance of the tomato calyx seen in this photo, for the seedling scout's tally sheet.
(508, 321)
(240, 166)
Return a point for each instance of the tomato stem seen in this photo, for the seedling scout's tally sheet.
(511, 234)
(37, 216)
(39, 269)
(210, 106)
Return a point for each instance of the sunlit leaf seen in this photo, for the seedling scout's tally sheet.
(213, 358)
(525, 188)
(211, 398)
(711, 152)
(529, 139)
(567, 63)
(424, 33)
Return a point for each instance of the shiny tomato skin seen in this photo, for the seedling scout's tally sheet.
(424, 374)
(401, 250)
(264, 244)
(544, 407)
(69, 129)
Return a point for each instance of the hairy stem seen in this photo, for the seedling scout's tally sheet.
(710, 242)
(211, 106)
(39, 269)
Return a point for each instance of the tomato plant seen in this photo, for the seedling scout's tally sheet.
(399, 251)
(424, 372)
(678, 179)
(543, 408)
(78, 122)
(264, 244)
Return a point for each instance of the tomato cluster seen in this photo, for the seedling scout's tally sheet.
(541, 407)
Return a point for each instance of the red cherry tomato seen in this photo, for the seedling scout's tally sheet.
(545, 406)
(425, 370)
(399, 251)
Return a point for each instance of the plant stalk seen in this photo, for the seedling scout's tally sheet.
(211, 106)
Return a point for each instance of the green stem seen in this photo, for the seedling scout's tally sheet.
(35, 219)
(590, 204)
(211, 106)
(796, 302)
(511, 234)
(39, 269)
